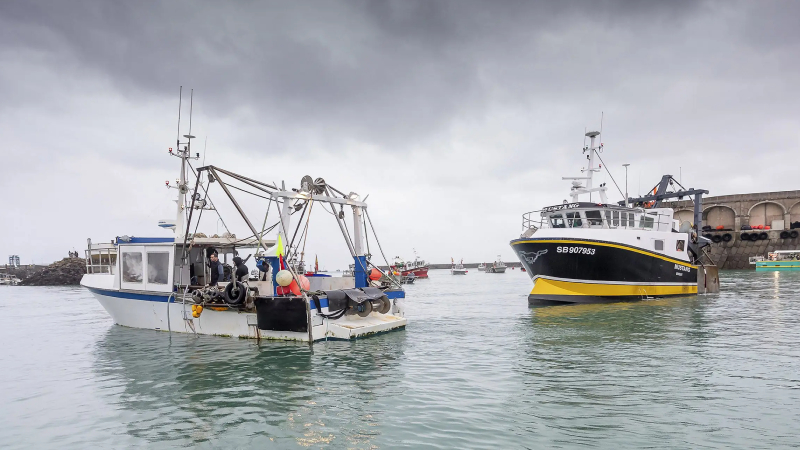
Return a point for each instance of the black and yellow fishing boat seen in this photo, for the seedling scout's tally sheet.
(582, 252)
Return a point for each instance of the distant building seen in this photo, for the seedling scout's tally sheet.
(13, 261)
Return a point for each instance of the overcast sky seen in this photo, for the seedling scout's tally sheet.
(455, 116)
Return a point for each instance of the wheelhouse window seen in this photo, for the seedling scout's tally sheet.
(631, 220)
(616, 218)
(574, 220)
(680, 245)
(594, 218)
(557, 221)
(132, 269)
(157, 267)
(659, 244)
(646, 222)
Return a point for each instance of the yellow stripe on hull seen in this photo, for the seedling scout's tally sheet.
(543, 286)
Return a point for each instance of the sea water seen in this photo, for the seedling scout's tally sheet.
(475, 368)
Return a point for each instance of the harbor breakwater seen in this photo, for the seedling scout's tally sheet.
(735, 214)
(67, 272)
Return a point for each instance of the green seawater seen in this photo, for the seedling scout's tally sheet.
(475, 368)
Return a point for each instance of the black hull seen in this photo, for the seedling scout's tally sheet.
(591, 271)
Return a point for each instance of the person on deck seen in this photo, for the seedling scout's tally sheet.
(217, 270)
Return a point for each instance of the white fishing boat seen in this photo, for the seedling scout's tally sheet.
(482, 267)
(7, 279)
(496, 267)
(458, 269)
(165, 283)
(592, 251)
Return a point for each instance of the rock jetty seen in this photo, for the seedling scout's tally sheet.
(66, 272)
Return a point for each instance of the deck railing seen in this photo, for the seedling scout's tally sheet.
(101, 260)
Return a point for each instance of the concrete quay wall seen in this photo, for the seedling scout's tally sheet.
(735, 254)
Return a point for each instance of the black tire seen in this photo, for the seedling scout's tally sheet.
(716, 239)
(708, 236)
(745, 236)
(784, 235)
(235, 293)
(793, 234)
(763, 236)
(727, 237)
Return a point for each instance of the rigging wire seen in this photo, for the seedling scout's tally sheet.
(609, 173)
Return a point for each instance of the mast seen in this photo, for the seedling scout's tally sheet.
(577, 187)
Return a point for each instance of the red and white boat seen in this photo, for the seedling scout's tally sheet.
(418, 267)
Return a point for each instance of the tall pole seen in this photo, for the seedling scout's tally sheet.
(626, 184)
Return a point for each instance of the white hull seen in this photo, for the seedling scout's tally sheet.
(458, 271)
(163, 316)
(495, 270)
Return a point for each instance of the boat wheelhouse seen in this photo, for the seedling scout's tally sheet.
(599, 252)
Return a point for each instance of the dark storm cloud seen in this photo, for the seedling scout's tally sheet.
(388, 73)
(477, 108)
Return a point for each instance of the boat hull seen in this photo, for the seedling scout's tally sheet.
(419, 272)
(458, 271)
(164, 313)
(769, 266)
(495, 270)
(589, 271)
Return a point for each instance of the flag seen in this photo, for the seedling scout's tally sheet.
(279, 247)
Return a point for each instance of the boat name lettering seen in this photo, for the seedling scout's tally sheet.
(683, 268)
(560, 207)
(576, 250)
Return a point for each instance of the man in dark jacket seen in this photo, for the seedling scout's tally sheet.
(216, 269)
(242, 271)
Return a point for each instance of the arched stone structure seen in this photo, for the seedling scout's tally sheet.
(684, 215)
(719, 215)
(747, 209)
(764, 213)
(794, 213)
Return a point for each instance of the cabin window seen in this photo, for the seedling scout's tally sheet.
(132, 267)
(631, 220)
(616, 218)
(594, 218)
(574, 220)
(623, 218)
(680, 245)
(659, 244)
(158, 267)
(557, 221)
(646, 222)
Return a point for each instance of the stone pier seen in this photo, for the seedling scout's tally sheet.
(778, 210)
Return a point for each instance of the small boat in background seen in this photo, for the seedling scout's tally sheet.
(418, 266)
(482, 267)
(777, 260)
(497, 267)
(458, 269)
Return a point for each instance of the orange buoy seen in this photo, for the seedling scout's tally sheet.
(294, 288)
(304, 283)
(374, 274)
(719, 227)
